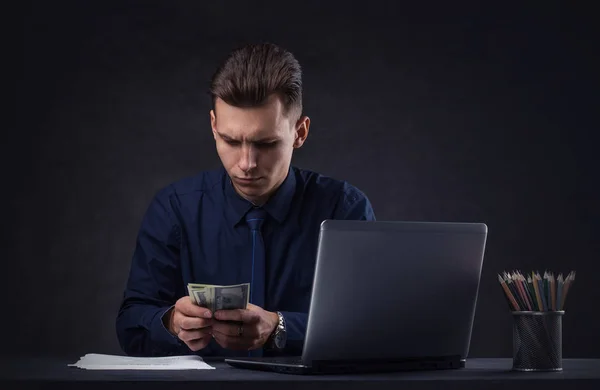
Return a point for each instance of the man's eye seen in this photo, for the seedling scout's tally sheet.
(266, 144)
(232, 142)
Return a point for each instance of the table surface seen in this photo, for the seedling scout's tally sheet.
(478, 373)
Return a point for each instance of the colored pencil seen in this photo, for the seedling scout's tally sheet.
(508, 294)
(536, 292)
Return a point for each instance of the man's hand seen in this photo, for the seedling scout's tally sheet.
(191, 323)
(244, 329)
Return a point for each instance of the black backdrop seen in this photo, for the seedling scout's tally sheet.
(471, 113)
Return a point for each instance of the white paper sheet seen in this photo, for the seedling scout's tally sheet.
(95, 361)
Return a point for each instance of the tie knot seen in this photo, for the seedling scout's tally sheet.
(255, 218)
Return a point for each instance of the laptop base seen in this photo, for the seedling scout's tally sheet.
(294, 365)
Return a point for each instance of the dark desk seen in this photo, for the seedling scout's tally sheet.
(478, 374)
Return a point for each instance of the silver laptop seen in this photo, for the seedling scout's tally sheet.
(388, 296)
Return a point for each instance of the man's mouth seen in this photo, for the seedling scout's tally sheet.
(247, 179)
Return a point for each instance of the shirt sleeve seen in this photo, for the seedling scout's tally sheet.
(152, 285)
(353, 205)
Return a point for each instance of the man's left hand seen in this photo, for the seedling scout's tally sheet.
(244, 329)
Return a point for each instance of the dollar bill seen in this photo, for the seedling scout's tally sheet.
(215, 297)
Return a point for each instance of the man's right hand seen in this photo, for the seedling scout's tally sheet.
(191, 323)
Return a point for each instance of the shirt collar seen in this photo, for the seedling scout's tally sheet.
(277, 206)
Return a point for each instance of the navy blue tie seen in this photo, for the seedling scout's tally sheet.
(255, 219)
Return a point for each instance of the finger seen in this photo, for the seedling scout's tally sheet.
(181, 321)
(190, 309)
(234, 343)
(198, 344)
(241, 315)
(188, 323)
(196, 334)
(235, 329)
(228, 328)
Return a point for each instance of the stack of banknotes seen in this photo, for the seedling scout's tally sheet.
(215, 297)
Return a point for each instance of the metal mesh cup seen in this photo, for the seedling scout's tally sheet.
(537, 340)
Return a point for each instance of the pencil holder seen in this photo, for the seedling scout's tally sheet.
(537, 340)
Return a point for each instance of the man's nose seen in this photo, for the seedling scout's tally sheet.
(247, 158)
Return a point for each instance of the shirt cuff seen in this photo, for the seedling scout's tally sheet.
(295, 324)
(164, 342)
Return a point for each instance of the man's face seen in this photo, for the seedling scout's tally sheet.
(255, 145)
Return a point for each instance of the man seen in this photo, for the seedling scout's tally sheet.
(256, 220)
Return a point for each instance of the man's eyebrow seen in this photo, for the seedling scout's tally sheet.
(224, 136)
(256, 140)
(265, 140)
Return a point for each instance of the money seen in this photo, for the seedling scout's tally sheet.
(215, 297)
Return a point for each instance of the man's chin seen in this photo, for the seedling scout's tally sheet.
(249, 183)
(250, 191)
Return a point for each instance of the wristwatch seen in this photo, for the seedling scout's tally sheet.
(278, 338)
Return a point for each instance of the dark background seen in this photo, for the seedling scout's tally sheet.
(437, 112)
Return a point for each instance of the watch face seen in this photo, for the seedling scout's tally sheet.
(280, 339)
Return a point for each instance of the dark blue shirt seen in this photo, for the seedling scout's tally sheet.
(194, 231)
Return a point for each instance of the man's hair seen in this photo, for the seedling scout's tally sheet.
(252, 73)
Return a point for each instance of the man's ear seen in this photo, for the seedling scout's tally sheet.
(213, 123)
(301, 131)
